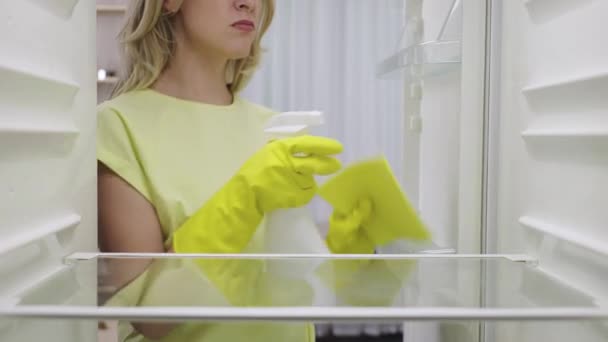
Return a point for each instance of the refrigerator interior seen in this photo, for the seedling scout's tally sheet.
(492, 114)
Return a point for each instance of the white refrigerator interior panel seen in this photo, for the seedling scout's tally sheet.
(553, 167)
(47, 158)
(547, 173)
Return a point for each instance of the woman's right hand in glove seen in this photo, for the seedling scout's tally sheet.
(281, 174)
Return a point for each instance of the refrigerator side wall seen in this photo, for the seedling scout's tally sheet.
(553, 164)
(47, 161)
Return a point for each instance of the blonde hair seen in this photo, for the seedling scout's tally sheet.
(147, 41)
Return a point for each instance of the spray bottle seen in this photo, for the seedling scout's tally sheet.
(293, 231)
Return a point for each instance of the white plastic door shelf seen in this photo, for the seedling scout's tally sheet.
(47, 157)
(550, 132)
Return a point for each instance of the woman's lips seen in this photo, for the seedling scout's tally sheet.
(244, 26)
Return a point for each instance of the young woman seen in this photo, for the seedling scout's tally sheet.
(184, 167)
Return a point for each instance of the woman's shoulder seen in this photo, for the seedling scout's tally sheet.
(147, 104)
(118, 116)
(130, 103)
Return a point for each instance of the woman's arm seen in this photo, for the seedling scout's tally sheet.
(127, 224)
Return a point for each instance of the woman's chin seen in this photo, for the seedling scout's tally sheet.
(238, 52)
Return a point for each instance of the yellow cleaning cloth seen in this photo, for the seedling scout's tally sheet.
(393, 216)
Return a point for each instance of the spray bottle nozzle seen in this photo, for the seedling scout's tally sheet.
(290, 124)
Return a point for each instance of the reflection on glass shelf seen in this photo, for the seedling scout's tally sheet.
(309, 288)
(422, 60)
(415, 247)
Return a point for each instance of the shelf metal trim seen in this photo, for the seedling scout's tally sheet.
(318, 314)
(89, 256)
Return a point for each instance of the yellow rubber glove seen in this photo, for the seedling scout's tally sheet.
(346, 234)
(362, 282)
(280, 175)
(394, 216)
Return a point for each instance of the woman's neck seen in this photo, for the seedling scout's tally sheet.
(194, 76)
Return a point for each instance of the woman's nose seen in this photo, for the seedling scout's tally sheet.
(245, 5)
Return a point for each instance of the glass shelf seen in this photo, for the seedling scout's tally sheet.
(311, 288)
(422, 60)
(438, 55)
